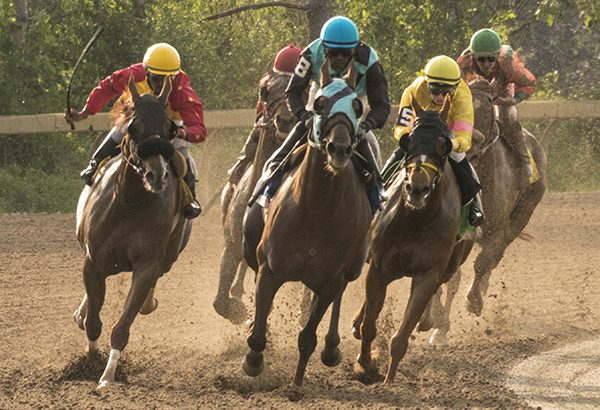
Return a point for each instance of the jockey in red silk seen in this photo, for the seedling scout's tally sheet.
(285, 62)
(499, 64)
(184, 108)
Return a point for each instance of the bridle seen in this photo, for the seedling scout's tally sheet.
(421, 165)
(328, 126)
(494, 131)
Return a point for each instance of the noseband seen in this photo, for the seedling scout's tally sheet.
(421, 165)
(322, 145)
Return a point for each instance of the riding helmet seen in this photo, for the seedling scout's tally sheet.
(442, 69)
(162, 59)
(485, 43)
(340, 32)
(286, 59)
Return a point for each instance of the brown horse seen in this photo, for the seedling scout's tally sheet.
(129, 220)
(508, 205)
(276, 123)
(414, 236)
(315, 230)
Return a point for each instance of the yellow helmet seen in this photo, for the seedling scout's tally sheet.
(162, 59)
(442, 69)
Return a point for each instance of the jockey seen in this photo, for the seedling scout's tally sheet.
(285, 62)
(487, 57)
(442, 77)
(184, 108)
(340, 43)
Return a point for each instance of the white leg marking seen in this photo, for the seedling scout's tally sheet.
(108, 376)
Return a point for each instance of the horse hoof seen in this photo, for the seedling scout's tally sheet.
(438, 338)
(146, 310)
(474, 304)
(78, 319)
(356, 332)
(253, 364)
(331, 359)
(233, 310)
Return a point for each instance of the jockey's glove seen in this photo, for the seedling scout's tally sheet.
(178, 132)
(306, 117)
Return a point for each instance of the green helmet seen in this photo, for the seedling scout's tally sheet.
(485, 43)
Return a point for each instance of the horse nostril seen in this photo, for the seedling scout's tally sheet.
(349, 151)
(426, 191)
(331, 149)
(409, 188)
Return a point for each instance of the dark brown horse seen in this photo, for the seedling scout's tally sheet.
(276, 123)
(414, 236)
(130, 220)
(315, 231)
(507, 203)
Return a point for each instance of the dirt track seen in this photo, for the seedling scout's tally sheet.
(544, 295)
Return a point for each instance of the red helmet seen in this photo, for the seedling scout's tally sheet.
(286, 59)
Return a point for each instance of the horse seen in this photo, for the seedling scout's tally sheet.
(275, 125)
(508, 205)
(414, 236)
(130, 220)
(315, 230)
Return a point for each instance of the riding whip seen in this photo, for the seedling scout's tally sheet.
(85, 50)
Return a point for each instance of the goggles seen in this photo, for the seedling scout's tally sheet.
(440, 88)
(335, 52)
(484, 59)
(158, 77)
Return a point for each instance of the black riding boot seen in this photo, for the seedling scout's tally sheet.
(108, 148)
(476, 216)
(364, 150)
(389, 169)
(193, 209)
(469, 186)
(275, 163)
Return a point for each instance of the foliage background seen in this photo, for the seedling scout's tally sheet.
(558, 40)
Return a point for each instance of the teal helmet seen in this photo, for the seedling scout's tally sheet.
(340, 32)
(485, 43)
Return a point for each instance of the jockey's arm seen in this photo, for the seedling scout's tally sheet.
(378, 97)
(184, 100)
(297, 87)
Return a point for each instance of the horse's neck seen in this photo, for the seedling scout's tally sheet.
(314, 186)
(129, 186)
(267, 145)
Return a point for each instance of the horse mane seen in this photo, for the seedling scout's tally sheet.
(477, 82)
(122, 109)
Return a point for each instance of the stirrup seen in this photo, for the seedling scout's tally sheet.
(192, 210)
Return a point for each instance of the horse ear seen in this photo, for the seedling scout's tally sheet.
(417, 109)
(350, 77)
(133, 89)
(357, 106)
(320, 104)
(406, 142)
(166, 90)
(325, 76)
(445, 108)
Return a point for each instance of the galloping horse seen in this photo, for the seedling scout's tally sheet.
(315, 230)
(414, 236)
(507, 203)
(274, 127)
(130, 220)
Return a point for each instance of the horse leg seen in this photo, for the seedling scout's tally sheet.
(305, 306)
(422, 289)
(80, 313)
(237, 289)
(223, 304)
(307, 339)
(375, 291)
(442, 311)
(357, 321)
(95, 291)
(486, 261)
(331, 355)
(266, 288)
(150, 304)
(143, 279)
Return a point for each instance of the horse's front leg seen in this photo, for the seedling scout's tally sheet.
(422, 290)
(331, 355)
(375, 291)
(486, 261)
(442, 311)
(223, 304)
(89, 310)
(266, 288)
(307, 339)
(143, 279)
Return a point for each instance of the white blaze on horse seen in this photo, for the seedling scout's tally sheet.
(130, 219)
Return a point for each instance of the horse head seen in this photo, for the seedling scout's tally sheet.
(146, 147)
(272, 98)
(427, 146)
(484, 129)
(337, 109)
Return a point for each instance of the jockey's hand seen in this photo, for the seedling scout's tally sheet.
(507, 101)
(182, 132)
(74, 116)
(307, 118)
